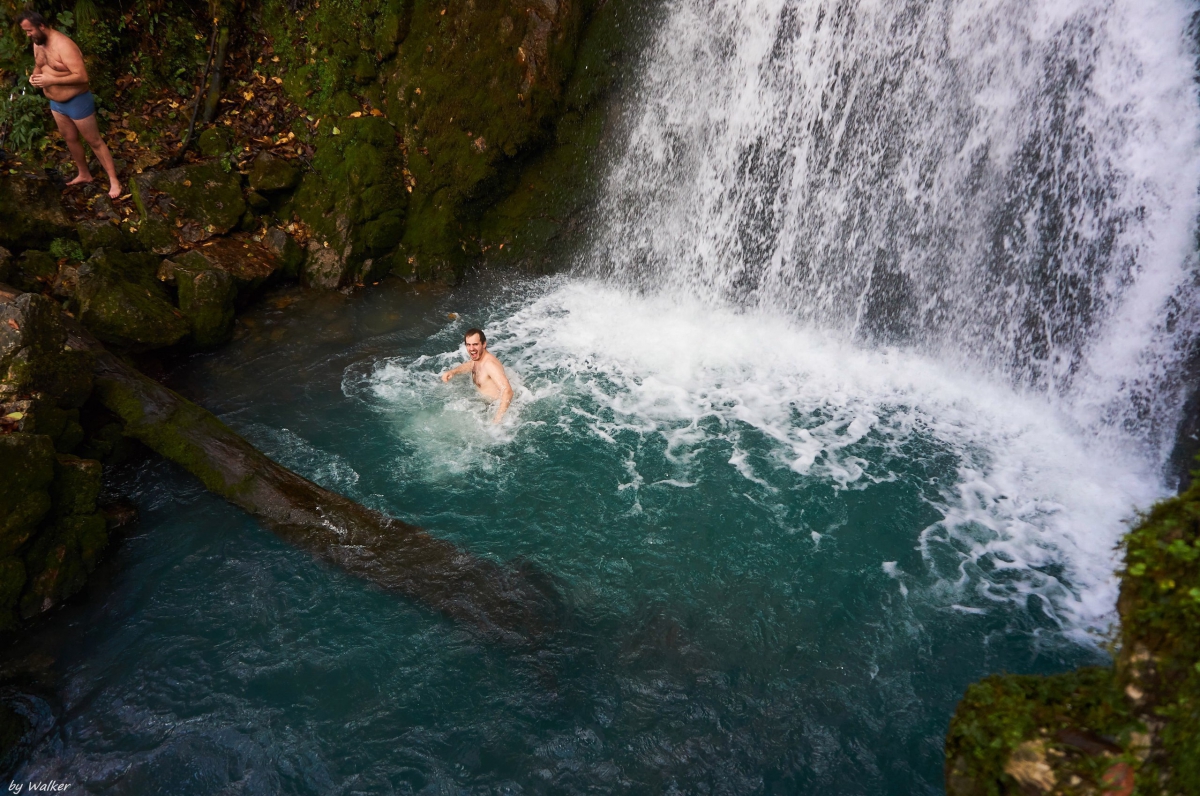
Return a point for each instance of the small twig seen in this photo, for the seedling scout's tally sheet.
(187, 138)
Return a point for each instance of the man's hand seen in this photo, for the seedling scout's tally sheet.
(37, 79)
(463, 368)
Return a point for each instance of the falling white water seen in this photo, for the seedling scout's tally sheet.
(1006, 184)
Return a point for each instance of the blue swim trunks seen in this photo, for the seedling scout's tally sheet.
(80, 106)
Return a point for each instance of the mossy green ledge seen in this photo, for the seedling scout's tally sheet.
(1133, 728)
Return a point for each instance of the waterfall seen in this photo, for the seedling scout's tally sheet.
(1008, 185)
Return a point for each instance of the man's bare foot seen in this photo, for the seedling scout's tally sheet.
(80, 179)
(114, 190)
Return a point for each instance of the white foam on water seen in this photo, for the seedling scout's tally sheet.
(1037, 507)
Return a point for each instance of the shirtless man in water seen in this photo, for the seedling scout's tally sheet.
(486, 371)
(60, 74)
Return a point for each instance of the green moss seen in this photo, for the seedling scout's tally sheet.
(1160, 630)
(121, 302)
(206, 297)
(214, 142)
(203, 193)
(1002, 712)
(76, 486)
(26, 472)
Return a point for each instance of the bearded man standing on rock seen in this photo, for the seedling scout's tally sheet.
(62, 77)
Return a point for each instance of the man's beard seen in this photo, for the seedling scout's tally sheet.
(39, 38)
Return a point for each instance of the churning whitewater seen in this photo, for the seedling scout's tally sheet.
(671, 386)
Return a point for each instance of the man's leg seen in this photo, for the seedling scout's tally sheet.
(70, 134)
(91, 133)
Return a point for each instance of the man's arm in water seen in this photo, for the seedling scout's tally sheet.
(463, 368)
(496, 371)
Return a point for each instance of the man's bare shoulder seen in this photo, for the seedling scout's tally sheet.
(493, 365)
(63, 45)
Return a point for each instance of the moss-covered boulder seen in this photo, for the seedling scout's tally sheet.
(248, 263)
(59, 560)
(157, 235)
(271, 173)
(34, 270)
(51, 533)
(100, 234)
(34, 359)
(206, 298)
(26, 471)
(287, 252)
(353, 199)
(214, 142)
(121, 301)
(32, 212)
(202, 195)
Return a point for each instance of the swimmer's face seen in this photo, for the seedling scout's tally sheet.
(475, 347)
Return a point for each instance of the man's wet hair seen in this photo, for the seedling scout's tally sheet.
(35, 19)
(471, 332)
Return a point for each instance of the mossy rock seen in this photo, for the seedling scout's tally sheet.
(206, 298)
(40, 415)
(1048, 721)
(33, 356)
(122, 307)
(271, 173)
(58, 561)
(155, 234)
(26, 471)
(364, 69)
(287, 252)
(95, 234)
(31, 206)
(354, 197)
(214, 142)
(12, 583)
(1159, 660)
(203, 193)
(249, 264)
(34, 270)
(76, 486)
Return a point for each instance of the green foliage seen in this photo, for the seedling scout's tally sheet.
(1001, 712)
(1160, 611)
(65, 248)
(23, 118)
